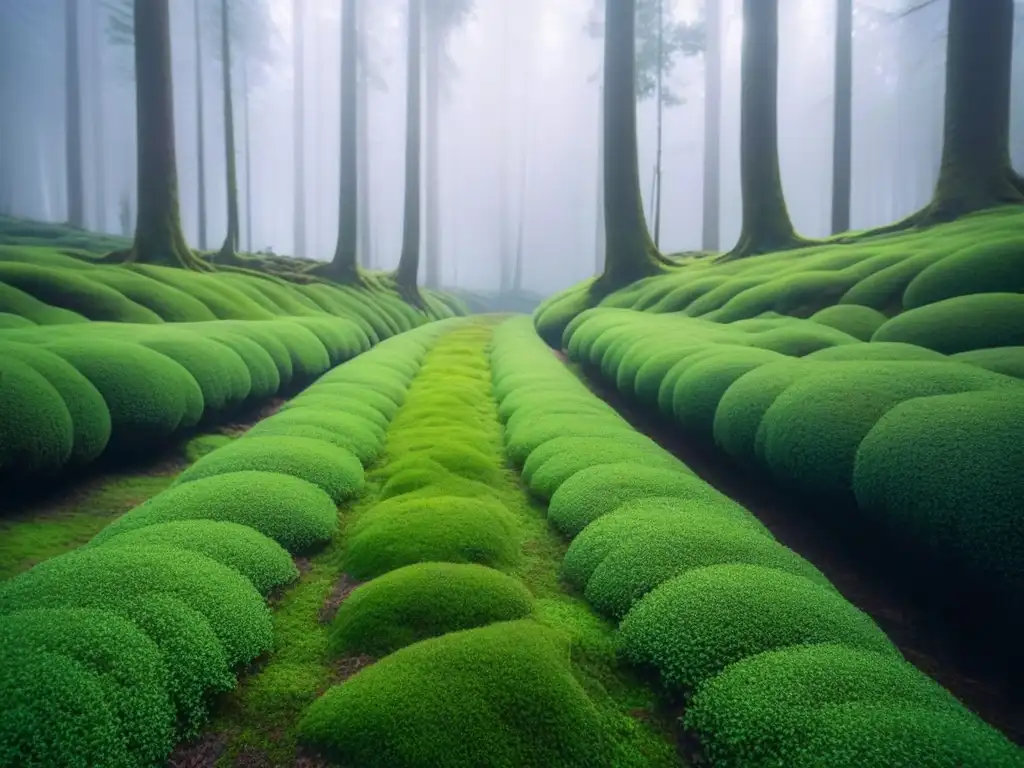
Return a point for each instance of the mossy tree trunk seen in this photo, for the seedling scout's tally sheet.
(363, 94)
(158, 235)
(842, 146)
(248, 155)
(73, 117)
(656, 202)
(299, 127)
(712, 126)
(228, 251)
(200, 132)
(435, 42)
(631, 254)
(766, 223)
(409, 263)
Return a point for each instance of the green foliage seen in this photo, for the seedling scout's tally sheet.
(332, 469)
(1008, 361)
(960, 324)
(424, 600)
(498, 695)
(261, 560)
(27, 306)
(36, 432)
(860, 322)
(697, 624)
(296, 514)
(170, 304)
(988, 267)
(358, 436)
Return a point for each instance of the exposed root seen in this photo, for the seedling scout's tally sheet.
(748, 247)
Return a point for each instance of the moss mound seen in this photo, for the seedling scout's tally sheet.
(960, 324)
(509, 687)
(1008, 361)
(222, 375)
(296, 514)
(860, 322)
(697, 624)
(36, 433)
(424, 600)
(404, 531)
(360, 437)
(991, 267)
(332, 469)
(260, 559)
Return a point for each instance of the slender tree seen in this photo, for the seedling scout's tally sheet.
(200, 133)
(248, 153)
(158, 235)
(409, 262)
(73, 116)
(363, 112)
(842, 148)
(99, 115)
(712, 124)
(766, 222)
(631, 253)
(299, 215)
(600, 244)
(228, 251)
(661, 129)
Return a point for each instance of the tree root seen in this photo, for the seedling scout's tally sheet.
(748, 247)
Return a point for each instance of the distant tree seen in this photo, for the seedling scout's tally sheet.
(712, 124)
(766, 222)
(842, 147)
(229, 249)
(73, 116)
(631, 254)
(200, 132)
(299, 126)
(409, 262)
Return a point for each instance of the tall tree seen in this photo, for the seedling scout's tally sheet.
(73, 116)
(97, 41)
(660, 101)
(766, 222)
(299, 127)
(409, 262)
(842, 148)
(158, 235)
(200, 132)
(631, 254)
(712, 124)
(229, 249)
(248, 153)
(363, 141)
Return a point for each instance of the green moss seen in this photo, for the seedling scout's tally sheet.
(988, 267)
(509, 688)
(859, 322)
(799, 294)
(170, 304)
(36, 433)
(424, 600)
(332, 469)
(360, 437)
(1008, 361)
(294, 513)
(960, 324)
(697, 624)
(7, 320)
(223, 300)
(875, 351)
(264, 376)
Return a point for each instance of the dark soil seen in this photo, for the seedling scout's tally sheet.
(339, 592)
(347, 666)
(938, 624)
(203, 753)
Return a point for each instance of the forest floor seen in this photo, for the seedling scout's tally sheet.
(938, 635)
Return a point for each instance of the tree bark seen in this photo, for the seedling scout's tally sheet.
(661, 110)
(435, 41)
(409, 262)
(600, 244)
(363, 94)
(158, 235)
(299, 87)
(766, 223)
(99, 119)
(229, 249)
(200, 133)
(842, 147)
(73, 117)
(248, 155)
(345, 265)
(712, 126)
(517, 275)
(631, 253)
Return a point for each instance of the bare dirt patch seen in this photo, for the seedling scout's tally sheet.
(339, 593)
(203, 753)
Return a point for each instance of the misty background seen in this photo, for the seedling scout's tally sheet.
(519, 126)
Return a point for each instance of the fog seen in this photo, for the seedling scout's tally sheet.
(519, 130)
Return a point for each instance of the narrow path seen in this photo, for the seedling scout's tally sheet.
(936, 642)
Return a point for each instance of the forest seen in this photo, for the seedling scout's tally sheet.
(542, 383)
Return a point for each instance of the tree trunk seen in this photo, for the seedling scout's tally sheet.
(409, 262)
(506, 256)
(299, 127)
(363, 94)
(712, 126)
(98, 118)
(631, 254)
(435, 41)
(661, 109)
(200, 134)
(600, 244)
(73, 117)
(248, 156)
(345, 265)
(158, 235)
(842, 147)
(517, 276)
(766, 223)
(229, 249)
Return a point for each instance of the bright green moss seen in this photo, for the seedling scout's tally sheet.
(986, 267)
(945, 473)
(783, 706)
(264, 376)
(424, 600)
(264, 562)
(553, 315)
(360, 437)
(681, 297)
(960, 324)
(170, 304)
(798, 294)
(15, 302)
(875, 350)
(55, 714)
(37, 433)
(600, 490)
(266, 340)
(221, 374)
(404, 531)
(122, 660)
(343, 339)
(344, 405)
(797, 338)
(459, 459)
(323, 396)
(521, 441)
(697, 624)
(382, 381)
(857, 321)
(70, 289)
(223, 300)
(720, 295)
(884, 289)
(1008, 361)
(294, 513)
(813, 429)
(705, 532)
(201, 445)
(498, 695)
(149, 396)
(335, 470)
(309, 356)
